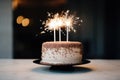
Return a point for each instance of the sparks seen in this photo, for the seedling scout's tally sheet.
(60, 21)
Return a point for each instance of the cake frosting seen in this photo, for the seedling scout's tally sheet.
(61, 52)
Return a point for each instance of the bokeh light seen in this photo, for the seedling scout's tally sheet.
(19, 19)
(25, 22)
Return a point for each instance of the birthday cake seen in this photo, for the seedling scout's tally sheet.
(60, 53)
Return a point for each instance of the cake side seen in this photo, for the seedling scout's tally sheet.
(62, 52)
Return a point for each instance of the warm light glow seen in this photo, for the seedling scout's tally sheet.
(69, 21)
(59, 20)
(54, 22)
(15, 4)
(25, 22)
(19, 19)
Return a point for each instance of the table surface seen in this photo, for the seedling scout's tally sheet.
(25, 69)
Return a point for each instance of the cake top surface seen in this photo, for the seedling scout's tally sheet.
(52, 44)
(62, 42)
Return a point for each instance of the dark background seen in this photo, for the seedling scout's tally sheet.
(99, 32)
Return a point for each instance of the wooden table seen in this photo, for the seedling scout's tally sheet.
(25, 69)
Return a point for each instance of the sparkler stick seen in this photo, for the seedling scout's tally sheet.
(54, 35)
(67, 34)
(59, 33)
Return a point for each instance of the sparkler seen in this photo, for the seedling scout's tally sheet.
(61, 20)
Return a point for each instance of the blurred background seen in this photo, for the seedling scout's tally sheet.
(20, 27)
